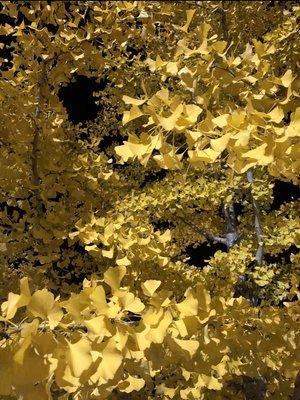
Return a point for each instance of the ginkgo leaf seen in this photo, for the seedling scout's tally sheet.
(220, 144)
(123, 261)
(111, 360)
(108, 253)
(124, 151)
(158, 333)
(165, 237)
(168, 161)
(203, 298)
(15, 301)
(132, 303)
(169, 123)
(287, 78)
(192, 112)
(189, 306)
(293, 129)
(29, 329)
(79, 356)
(221, 120)
(172, 68)
(150, 286)
(132, 114)
(131, 100)
(276, 114)
(208, 155)
(131, 383)
(189, 17)
(259, 155)
(42, 305)
(98, 326)
(190, 346)
(114, 275)
(209, 382)
(98, 298)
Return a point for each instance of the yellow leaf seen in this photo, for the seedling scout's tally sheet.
(114, 275)
(132, 303)
(108, 253)
(98, 326)
(150, 286)
(168, 161)
(130, 384)
(132, 114)
(276, 115)
(42, 305)
(157, 334)
(98, 298)
(287, 78)
(208, 155)
(191, 346)
(169, 123)
(221, 121)
(189, 17)
(203, 298)
(219, 46)
(293, 130)
(124, 151)
(209, 382)
(172, 68)
(192, 112)
(237, 118)
(28, 330)
(189, 306)
(131, 100)
(259, 155)
(123, 261)
(111, 360)
(15, 301)
(79, 356)
(165, 237)
(220, 144)
(6, 371)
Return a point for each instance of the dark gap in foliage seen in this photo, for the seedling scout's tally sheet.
(131, 51)
(247, 288)
(163, 225)
(239, 209)
(286, 300)
(270, 4)
(12, 211)
(284, 192)
(114, 138)
(199, 255)
(57, 197)
(287, 118)
(6, 52)
(77, 97)
(15, 264)
(284, 257)
(154, 176)
(53, 29)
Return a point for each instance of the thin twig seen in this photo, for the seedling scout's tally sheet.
(207, 235)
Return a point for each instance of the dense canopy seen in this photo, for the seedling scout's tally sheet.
(149, 200)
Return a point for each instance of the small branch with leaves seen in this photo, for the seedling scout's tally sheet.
(257, 222)
(232, 236)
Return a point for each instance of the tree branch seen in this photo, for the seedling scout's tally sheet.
(257, 222)
(207, 236)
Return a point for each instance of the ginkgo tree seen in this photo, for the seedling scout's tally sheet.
(197, 120)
